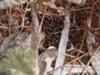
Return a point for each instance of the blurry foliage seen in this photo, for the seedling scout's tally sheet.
(19, 60)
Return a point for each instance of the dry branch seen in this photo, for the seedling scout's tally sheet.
(35, 20)
(63, 43)
(76, 69)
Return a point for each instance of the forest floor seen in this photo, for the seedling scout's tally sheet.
(84, 33)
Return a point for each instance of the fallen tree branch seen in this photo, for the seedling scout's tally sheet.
(63, 43)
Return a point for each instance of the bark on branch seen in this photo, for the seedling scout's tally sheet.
(63, 43)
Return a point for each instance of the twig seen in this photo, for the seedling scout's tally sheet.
(71, 61)
(41, 23)
(23, 16)
(35, 20)
(88, 70)
(63, 42)
(90, 59)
